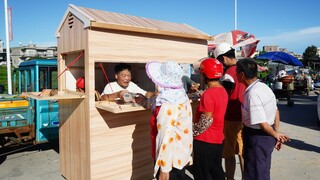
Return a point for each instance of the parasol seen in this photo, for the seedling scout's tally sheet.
(262, 69)
(280, 57)
(236, 39)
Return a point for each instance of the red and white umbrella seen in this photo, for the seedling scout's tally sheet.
(236, 39)
(262, 69)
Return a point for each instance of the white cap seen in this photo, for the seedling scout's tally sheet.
(222, 49)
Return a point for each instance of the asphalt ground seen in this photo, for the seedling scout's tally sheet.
(298, 159)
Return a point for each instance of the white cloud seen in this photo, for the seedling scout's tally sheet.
(296, 41)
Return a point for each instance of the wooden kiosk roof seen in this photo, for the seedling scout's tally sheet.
(111, 35)
(116, 21)
(97, 144)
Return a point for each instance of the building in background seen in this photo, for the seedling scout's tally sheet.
(23, 53)
(270, 48)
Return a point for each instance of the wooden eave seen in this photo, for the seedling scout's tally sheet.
(147, 30)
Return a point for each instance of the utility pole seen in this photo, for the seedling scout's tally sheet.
(235, 14)
(8, 49)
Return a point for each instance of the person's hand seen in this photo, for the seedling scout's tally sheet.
(195, 86)
(140, 99)
(121, 93)
(199, 92)
(163, 176)
(282, 138)
(278, 145)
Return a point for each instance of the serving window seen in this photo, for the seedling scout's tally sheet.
(105, 73)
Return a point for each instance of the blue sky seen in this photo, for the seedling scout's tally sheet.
(291, 24)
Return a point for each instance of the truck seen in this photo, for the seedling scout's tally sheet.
(24, 120)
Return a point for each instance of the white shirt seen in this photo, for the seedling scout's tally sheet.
(259, 105)
(132, 87)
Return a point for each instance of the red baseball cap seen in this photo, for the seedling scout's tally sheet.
(80, 83)
(212, 68)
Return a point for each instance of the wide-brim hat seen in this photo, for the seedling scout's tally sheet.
(167, 74)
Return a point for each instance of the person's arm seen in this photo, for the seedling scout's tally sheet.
(164, 176)
(277, 121)
(195, 86)
(113, 96)
(277, 127)
(137, 89)
(151, 94)
(281, 138)
(203, 124)
(188, 80)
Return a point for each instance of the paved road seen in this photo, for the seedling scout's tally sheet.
(297, 160)
(300, 158)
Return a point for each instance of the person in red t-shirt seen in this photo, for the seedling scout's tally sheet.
(208, 124)
(233, 123)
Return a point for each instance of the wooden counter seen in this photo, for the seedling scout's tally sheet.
(67, 94)
(118, 108)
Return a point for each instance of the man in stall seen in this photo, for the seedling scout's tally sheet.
(122, 85)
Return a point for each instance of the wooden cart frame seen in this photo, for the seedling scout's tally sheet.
(96, 143)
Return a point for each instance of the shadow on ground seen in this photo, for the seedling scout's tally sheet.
(301, 145)
(303, 113)
(4, 152)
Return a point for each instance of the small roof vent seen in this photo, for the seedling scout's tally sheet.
(70, 20)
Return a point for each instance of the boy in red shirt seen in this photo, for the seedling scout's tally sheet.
(233, 123)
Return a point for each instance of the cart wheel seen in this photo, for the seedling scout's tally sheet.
(290, 103)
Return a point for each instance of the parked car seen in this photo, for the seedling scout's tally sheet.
(317, 84)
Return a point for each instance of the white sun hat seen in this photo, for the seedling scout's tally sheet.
(167, 74)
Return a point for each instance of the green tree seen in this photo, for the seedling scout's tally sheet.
(310, 54)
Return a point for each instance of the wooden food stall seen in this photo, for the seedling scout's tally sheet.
(96, 141)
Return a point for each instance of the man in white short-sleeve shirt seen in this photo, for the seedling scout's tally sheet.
(259, 105)
(123, 84)
(261, 122)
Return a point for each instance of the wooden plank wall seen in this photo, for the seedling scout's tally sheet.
(117, 46)
(73, 139)
(72, 39)
(120, 145)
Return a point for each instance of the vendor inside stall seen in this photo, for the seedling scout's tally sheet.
(123, 85)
